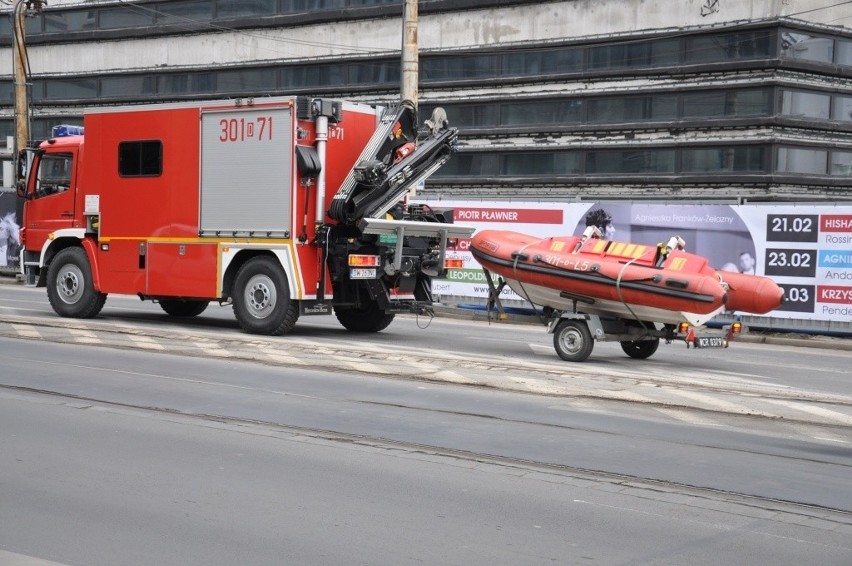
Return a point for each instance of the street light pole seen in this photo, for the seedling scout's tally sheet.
(410, 63)
(19, 53)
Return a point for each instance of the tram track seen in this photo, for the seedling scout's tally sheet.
(805, 514)
(679, 388)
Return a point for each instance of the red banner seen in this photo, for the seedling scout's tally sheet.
(834, 294)
(509, 215)
(835, 223)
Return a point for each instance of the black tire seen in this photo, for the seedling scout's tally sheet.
(183, 308)
(366, 319)
(572, 340)
(261, 298)
(641, 349)
(70, 288)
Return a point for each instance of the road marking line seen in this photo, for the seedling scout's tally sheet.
(707, 400)
(213, 349)
(25, 330)
(835, 416)
(147, 342)
(14, 559)
(284, 359)
(87, 337)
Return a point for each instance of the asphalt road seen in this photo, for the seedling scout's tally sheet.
(124, 457)
(458, 443)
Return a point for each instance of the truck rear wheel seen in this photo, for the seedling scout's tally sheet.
(572, 340)
(261, 298)
(369, 318)
(641, 349)
(70, 288)
(183, 308)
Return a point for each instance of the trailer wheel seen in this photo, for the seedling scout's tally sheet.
(70, 288)
(369, 318)
(261, 298)
(183, 308)
(641, 349)
(572, 340)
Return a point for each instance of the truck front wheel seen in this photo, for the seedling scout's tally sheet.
(369, 318)
(261, 298)
(572, 340)
(70, 288)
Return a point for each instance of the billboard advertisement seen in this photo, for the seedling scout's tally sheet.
(10, 241)
(806, 249)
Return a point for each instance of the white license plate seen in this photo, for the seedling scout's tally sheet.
(709, 342)
(362, 273)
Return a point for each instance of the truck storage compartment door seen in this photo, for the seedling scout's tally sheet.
(247, 173)
(183, 269)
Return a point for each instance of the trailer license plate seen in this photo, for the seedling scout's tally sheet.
(710, 342)
(362, 273)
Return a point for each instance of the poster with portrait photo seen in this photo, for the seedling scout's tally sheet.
(714, 231)
(10, 232)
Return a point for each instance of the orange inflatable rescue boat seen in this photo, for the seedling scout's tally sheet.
(662, 283)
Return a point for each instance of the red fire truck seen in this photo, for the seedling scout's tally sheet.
(282, 207)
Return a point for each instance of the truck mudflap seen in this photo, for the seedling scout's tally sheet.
(397, 157)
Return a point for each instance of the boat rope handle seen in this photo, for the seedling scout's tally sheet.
(621, 297)
(518, 255)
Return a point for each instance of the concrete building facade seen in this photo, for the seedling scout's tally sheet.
(555, 100)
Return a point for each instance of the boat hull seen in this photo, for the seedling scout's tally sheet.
(647, 283)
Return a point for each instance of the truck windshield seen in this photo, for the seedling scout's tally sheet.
(54, 174)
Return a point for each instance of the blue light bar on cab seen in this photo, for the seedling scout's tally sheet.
(66, 130)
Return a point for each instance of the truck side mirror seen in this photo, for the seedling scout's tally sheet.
(21, 189)
(21, 171)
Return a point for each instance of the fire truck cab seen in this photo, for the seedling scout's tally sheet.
(282, 207)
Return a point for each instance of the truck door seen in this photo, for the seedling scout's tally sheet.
(52, 200)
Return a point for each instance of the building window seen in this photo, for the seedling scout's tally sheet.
(125, 17)
(802, 160)
(841, 108)
(246, 81)
(841, 163)
(186, 83)
(620, 162)
(227, 9)
(807, 47)
(735, 159)
(128, 86)
(632, 109)
(71, 21)
(714, 104)
(460, 67)
(728, 47)
(634, 54)
(543, 62)
(186, 12)
(469, 165)
(543, 163)
(310, 76)
(550, 112)
(374, 73)
(467, 115)
(140, 158)
(69, 89)
(805, 104)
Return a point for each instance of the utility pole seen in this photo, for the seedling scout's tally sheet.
(19, 52)
(410, 55)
